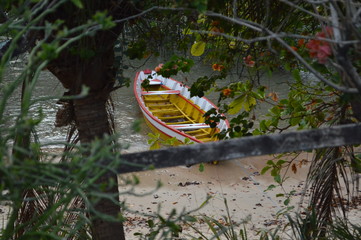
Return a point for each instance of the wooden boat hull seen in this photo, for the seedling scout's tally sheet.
(170, 111)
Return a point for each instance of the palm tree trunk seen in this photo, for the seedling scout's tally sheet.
(92, 122)
(98, 74)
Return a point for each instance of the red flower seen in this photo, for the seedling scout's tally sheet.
(215, 30)
(159, 67)
(248, 61)
(226, 92)
(301, 42)
(217, 67)
(215, 23)
(320, 49)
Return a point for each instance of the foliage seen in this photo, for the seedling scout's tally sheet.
(53, 192)
(224, 228)
(156, 142)
(47, 200)
(311, 41)
(308, 40)
(174, 65)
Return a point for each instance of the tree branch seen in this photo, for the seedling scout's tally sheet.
(259, 28)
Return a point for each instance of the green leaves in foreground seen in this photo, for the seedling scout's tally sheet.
(174, 65)
(244, 101)
(78, 3)
(356, 163)
(247, 98)
(275, 168)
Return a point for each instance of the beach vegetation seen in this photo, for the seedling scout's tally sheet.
(316, 43)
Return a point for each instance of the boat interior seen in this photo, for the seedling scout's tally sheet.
(173, 109)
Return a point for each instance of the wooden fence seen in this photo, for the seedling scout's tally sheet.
(340, 135)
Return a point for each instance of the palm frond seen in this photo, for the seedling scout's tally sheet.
(330, 180)
(346, 231)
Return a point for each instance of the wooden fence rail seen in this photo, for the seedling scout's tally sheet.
(341, 135)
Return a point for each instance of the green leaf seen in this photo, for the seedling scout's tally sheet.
(151, 223)
(356, 164)
(256, 132)
(287, 67)
(206, 201)
(263, 125)
(250, 101)
(136, 180)
(274, 172)
(137, 124)
(270, 187)
(201, 167)
(155, 146)
(296, 75)
(198, 48)
(280, 195)
(200, 5)
(187, 31)
(278, 179)
(265, 169)
(78, 3)
(187, 141)
(236, 105)
(189, 218)
(270, 162)
(287, 201)
(284, 101)
(280, 162)
(295, 120)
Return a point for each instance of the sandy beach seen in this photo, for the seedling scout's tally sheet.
(237, 181)
(186, 188)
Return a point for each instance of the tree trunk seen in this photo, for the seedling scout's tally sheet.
(92, 122)
(95, 71)
(91, 118)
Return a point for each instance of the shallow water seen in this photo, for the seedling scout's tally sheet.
(126, 108)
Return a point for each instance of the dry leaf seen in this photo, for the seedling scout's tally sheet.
(274, 96)
(294, 168)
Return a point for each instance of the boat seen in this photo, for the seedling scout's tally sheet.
(170, 111)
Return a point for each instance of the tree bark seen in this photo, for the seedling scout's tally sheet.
(92, 122)
(97, 73)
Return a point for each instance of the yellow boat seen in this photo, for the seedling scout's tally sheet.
(170, 111)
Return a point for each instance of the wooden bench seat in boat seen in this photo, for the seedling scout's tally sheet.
(171, 117)
(156, 100)
(161, 105)
(179, 123)
(155, 82)
(160, 92)
(161, 112)
(190, 126)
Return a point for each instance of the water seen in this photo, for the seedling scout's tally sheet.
(126, 107)
(47, 86)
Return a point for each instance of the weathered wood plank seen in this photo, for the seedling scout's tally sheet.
(349, 134)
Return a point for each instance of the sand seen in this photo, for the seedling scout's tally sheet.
(237, 181)
(185, 189)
